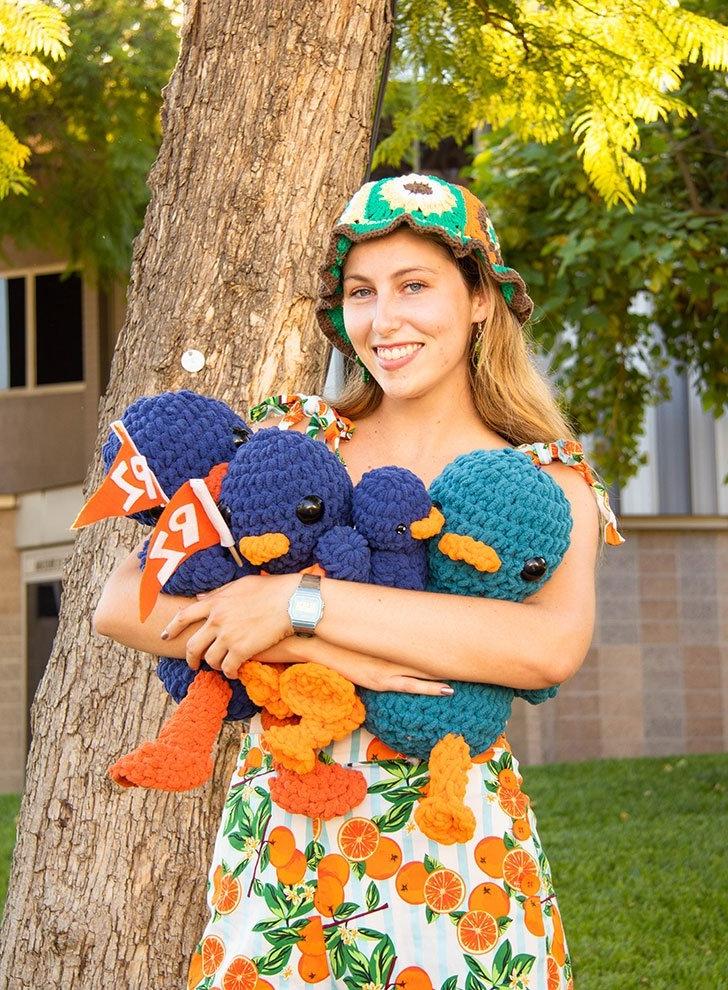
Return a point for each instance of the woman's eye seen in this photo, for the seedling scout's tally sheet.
(415, 286)
(310, 509)
(355, 293)
(533, 569)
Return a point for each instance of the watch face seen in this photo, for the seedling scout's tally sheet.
(307, 609)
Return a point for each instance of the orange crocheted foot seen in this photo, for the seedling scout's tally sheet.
(442, 815)
(262, 682)
(329, 710)
(181, 756)
(327, 791)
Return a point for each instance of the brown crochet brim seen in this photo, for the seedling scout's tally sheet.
(330, 288)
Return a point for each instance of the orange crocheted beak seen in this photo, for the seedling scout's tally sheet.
(260, 549)
(423, 529)
(479, 555)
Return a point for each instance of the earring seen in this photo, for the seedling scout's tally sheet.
(365, 375)
(478, 339)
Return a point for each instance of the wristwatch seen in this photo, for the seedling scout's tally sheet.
(306, 606)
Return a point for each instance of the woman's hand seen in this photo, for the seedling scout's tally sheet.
(239, 619)
(364, 671)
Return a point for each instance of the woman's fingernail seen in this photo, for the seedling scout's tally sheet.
(164, 634)
(447, 690)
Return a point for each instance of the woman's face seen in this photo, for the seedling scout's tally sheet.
(409, 313)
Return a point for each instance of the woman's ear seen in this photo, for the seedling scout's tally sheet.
(481, 304)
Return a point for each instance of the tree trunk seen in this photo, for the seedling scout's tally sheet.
(267, 122)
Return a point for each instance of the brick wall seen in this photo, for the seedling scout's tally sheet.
(655, 680)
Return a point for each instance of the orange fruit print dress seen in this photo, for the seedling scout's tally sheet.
(366, 901)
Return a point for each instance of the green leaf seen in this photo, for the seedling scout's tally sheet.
(430, 915)
(395, 819)
(380, 963)
(372, 896)
(501, 961)
(451, 983)
(314, 853)
(475, 968)
(432, 864)
(357, 963)
(345, 910)
(521, 965)
(337, 959)
(473, 983)
(274, 961)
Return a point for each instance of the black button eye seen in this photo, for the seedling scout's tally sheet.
(225, 513)
(241, 435)
(401, 529)
(533, 569)
(438, 505)
(310, 509)
(155, 512)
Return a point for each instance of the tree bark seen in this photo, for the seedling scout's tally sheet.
(267, 123)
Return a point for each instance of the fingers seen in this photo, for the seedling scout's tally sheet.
(418, 685)
(185, 617)
(198, 646)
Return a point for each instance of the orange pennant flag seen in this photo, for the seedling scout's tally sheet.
(130, 485)
(190, 522)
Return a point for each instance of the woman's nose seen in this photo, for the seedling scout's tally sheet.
(386, 317)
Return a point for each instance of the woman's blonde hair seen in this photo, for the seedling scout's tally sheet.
(510, 394)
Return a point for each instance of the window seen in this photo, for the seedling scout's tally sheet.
(41, 330)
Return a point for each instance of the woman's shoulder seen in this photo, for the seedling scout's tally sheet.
(309, 414)
(565, 462)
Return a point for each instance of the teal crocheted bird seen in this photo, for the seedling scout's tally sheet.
(507, 528)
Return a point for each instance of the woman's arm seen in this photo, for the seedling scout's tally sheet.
(117, 613)
(532, 644)
(117, 616)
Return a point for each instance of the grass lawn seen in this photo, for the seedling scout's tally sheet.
(9, 807)
(638, 853)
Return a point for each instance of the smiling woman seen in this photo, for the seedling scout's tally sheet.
(414, 289)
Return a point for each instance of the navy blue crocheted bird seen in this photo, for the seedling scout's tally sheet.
(507, 528)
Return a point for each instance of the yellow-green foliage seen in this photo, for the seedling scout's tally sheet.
(28, 28)
(544, 69)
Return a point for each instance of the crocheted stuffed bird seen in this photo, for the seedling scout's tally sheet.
(507, 528)
(160, 443)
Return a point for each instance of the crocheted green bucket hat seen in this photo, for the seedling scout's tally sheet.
(424, 203)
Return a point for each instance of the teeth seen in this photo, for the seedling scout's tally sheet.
(394, 353)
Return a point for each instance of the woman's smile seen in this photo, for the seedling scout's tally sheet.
(390, 357)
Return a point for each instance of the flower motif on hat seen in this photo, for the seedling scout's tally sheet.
(417, 192)
(355, 210)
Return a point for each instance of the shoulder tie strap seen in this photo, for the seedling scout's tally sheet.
(323, 421)
(571, 453)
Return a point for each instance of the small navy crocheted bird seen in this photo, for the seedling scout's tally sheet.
(507, 528)
(394, 513)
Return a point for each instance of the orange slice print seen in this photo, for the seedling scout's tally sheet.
(358, 838)
(444, 891)
(514, 802)
(553, 976)
(229, 894)
(241, 974)
(477, 932)
(213, 953)
(520, 872)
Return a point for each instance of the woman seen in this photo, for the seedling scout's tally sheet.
(413, 287)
